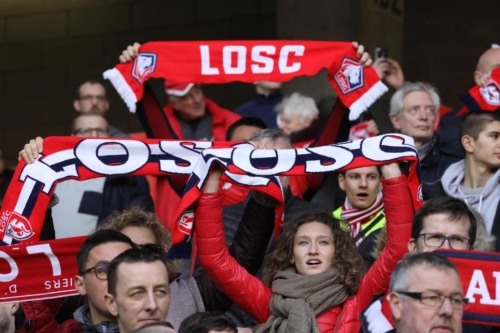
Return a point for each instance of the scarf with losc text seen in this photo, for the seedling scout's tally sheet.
(249, 61)
(64, 158)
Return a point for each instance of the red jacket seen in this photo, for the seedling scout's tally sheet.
(40, 316)
(221, 120)
(253, 296)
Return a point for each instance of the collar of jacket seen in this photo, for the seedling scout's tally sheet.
(82, 315)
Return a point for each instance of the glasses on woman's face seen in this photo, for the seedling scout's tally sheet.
(100, 269)
(437, 240)
(155, 248)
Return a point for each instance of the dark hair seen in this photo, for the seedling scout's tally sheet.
(98, 238)
(88, 81)
(152, 325)
(138, 217)
(204, 322)
(401, 274)
(130, 256)
(473, 123)
(245, 121)
(454, 208)
(272, 135)
(348, 261)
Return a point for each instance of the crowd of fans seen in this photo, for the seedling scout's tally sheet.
(360, 260)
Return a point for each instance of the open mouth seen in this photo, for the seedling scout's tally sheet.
(313, 262)
(362, 195)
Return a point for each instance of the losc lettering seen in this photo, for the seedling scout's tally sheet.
(59, 283)
(234, 59)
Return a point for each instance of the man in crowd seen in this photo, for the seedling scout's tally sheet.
(413, 111)
(208, 322)
(138, 289)
(476, 178)
(441, 223)
(426, 295)
(267, 96)
(98, 250)
(91, 97)
(82, 205)
(363, 209)
(242, 129)
(7, 317)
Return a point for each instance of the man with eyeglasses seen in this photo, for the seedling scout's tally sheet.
(426, 295)
(91, 97)
(441, 223)
(98, 250)
(83, 205)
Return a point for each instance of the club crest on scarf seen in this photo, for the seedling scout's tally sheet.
(185, 222)
(18, 226)
(350, 76)
(491, 93)
(144, 65)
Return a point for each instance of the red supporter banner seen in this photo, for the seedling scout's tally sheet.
(42, 270)
(480, 275)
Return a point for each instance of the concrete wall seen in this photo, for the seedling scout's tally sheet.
(49, 47)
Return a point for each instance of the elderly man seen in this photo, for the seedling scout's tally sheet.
(413, 111)
(426, 295)
(91, 97)
(138, 289)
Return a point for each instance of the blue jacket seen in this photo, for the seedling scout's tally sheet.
(262, 107)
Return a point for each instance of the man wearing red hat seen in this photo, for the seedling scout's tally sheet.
(193, 116)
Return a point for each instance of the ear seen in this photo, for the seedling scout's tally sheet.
(80, 285)
(292, 261)
(395, 122)
(477, 77)
(341, 182)
(13, 308)
(76, 105)
(307, 122)
(395, 302)
(111, 304)
(412, 245)
(468, 143)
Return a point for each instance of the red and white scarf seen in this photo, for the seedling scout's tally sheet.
(357, 217)
(63, 158)
(485, 98)
(249, 61)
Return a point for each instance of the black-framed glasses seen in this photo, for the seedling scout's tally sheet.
(155, 248)
(435, 300)
(100, 269)
(437, 240)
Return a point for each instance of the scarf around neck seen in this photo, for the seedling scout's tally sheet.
(298, 299)
(357, 217)
(249, 61)
(484, 98)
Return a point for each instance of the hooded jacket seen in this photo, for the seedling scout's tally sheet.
(83, 323)
(485, 202)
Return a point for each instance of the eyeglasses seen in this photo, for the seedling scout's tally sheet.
(435, 300)
(100, 269)
(155, 248)
(437, 240)
(89, 131)
(99, 98)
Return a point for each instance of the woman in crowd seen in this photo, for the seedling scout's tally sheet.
(314, 278)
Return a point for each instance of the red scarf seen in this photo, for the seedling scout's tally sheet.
(65, 158)
(249, 61)
(486, 98)
(357, 217)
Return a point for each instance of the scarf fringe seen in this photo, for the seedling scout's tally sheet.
(122, 87)
(367, 99)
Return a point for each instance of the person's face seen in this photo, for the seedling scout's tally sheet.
(92, 98)
(442, 225)
(90, 285)
(313, 248)
(91, 126)
(269, 85)
(243, 133)
(190, 106)
(361, 186)
(142, 295)
(7, 312)
(139, 235)
(289, 124)
(412, 316)
(486, 149)
(278, 144)
(417, 117)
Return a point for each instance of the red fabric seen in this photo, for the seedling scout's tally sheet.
(488, 97)
(249, 61)
(221, 120)
(253, 296)
(40, 315)
(70, 326)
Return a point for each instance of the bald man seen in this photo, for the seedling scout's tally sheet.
(488, 61)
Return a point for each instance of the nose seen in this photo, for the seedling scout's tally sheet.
(150, 303)
(363, 182)
(313, 248)
(446, 244)
(423, 114)
(446, 309)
